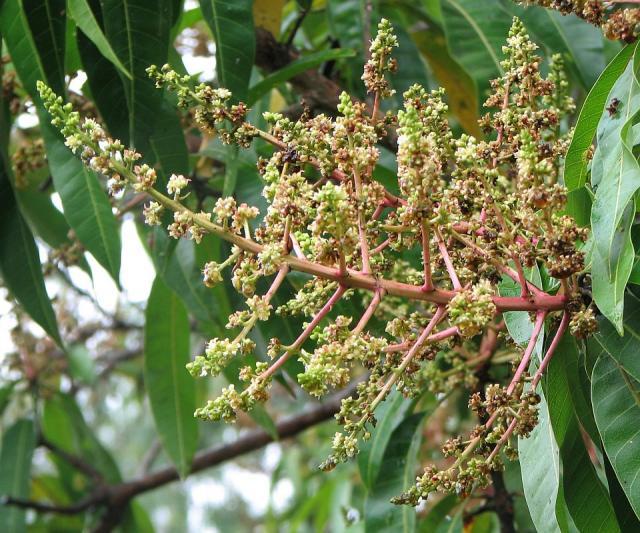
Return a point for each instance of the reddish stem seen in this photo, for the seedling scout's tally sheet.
(524, 363)
(447, 261)
(366, 316)
(380, 247)
(305, 334)
(551, 350)
(426, 257)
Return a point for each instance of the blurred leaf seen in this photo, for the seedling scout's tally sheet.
(86, 21)
(63, 424)
(397, 473)
(461, 91)
(616, 400)
(587, 499)
(298, 66)
(20, 261)
(231, 22)
(476, 32)
(391, 413)
(346, 23)
(613, 210)
(169, 386)
(81, 365)
(576, 163)
(18, 444)
(438, 514)
(86, 205)
(540, 467)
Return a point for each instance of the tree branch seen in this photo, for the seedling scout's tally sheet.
(114, 497)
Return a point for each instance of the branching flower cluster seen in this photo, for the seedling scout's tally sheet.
(476, 211)
(618, 23)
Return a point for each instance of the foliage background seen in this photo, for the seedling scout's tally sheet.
(95, 389)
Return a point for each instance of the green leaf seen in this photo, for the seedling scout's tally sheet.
(170, 387)
(231, 22)
(63, 425)
(86, 205)
(438, 514)
(392, 411)
(540, 468)
(624, 512)
(175, 262)
(576, 163)
(397, 472)
(18, 444)
(476, 32)
(587, 499)
(20, 261)
(47, 25)
(86, 21)
(519, 323)
(624, 349)
(612, 211)
(139, 32)
(461, 90)
(294, 68)
(34, 31)
(616, 401)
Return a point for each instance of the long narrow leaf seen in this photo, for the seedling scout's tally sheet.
(616, 400)
(18, 444)
(169, 386)
(576, 163)
(84, 18)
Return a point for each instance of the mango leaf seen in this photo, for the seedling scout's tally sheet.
(390, 414)
(231, 22)
(83, 16)
(138, 31)
(18, 444)
(14, 27)
(612, 211)
(587, 499)
(86, 205)
(169, 386)
(616, 400)
(298, 66)
(396, 474)
(175, 262)
(476, 32)
(540, 468)
(623, 349)
(627, 519)
(19, 260)
(576, 163)
(438, 514)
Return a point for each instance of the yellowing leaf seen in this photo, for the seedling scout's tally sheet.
(267, 14)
